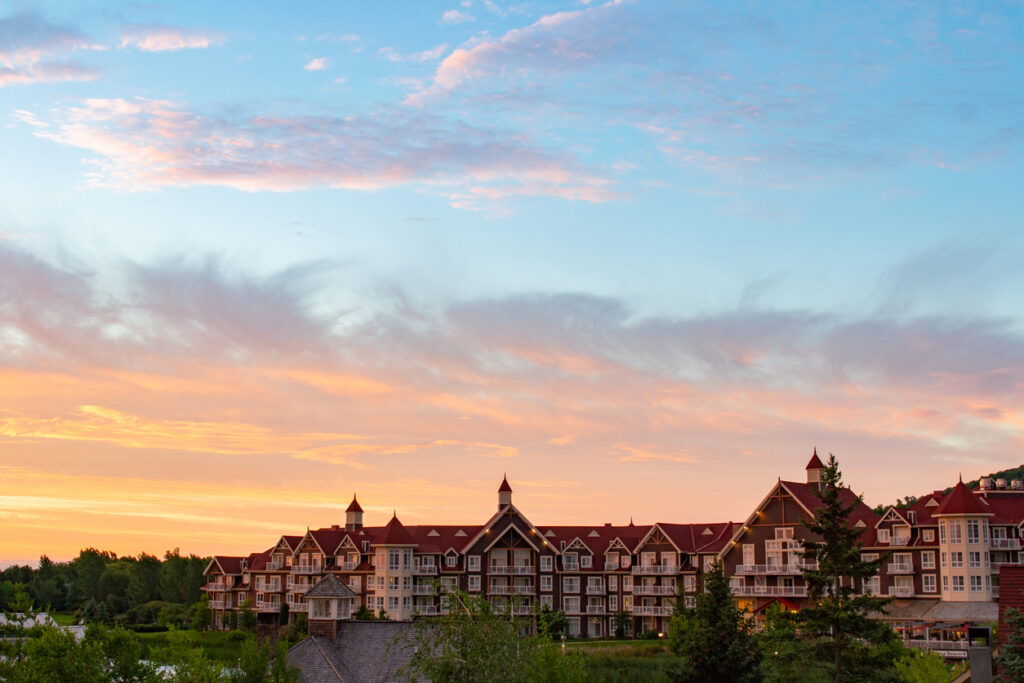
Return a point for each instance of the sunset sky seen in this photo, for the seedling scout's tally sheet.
(642, 257)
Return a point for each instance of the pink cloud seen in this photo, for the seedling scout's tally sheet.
(29, 46)
(145, 144)
(160, 38)
(318, 64)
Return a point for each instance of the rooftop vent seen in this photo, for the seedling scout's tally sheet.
(1017, 485)
(987, 483)
(1000, 483)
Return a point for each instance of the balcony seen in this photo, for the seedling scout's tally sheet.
(424, 590)
(268, 586)
(774, 569)
(612, 566)
(216, 604)
(937, 644)
(425, 570)
(1005, 543)
(274, 566)
(267, 606)
(429, 610)
(900, 568)
(306, 569)
(899, 540)
(216, 586)
(655, 569)
(595, 590)
(346, 566)
(294, 587)
(901, 591)
(296, 606)
(520, 569)
(648, 611)
(570, 566)
(511, 590)
(780, 591)
(641, 589)
(596, 609)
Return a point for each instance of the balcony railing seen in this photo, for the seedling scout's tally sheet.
(612, 566)
(276, 566)
(425, 570)
(216, 586)
(268, 586)
(346, 566)
(298, 587)
(306, 569)
(937, 644)
(570, 566)
(648, 611)
(899, 540)
(296, 606)
(424, 590)
(655, 568)
(901, 591)
(900, 568)
(596, 609)
(265, 606)
(513, 569)
(775, 569)
(511, 590)
(641, 589)
(429, 610)
(216, 604)
(595, 590)
(1005, 543)
(783, 591)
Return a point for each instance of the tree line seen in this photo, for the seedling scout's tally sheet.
(100, 586)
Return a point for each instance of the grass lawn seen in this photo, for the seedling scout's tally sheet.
(63, 619)
(222, 647)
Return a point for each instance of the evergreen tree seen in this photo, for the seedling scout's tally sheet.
(1010, 661)
(202, 615)
(714, 637)
(835, 622)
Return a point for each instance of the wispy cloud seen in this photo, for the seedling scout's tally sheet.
(454, 16)
(144, 144)
(30, 47)
(161, 38)
(430, 55)
(318, 64)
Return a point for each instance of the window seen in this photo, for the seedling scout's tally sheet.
(393, 559)
(942, 531)
(943, 560)
(406, 583)
(570, 562)
(928, 583)
(945, 582)
(380, 602)
(572, 603)
(689, 583)
(613, 582)
(956, 560)
(449, 560)
(974, 560)
(545, 583)
(955, 532)
(624, 561)
(474, 563)
(668, 559)
(883, 535)
(976, 584)
(785, 532)
(709, 563)
(690, 601)
(585, 561)
(474, 582)
(627, 583)
(912, 516)
(958, 584)
(392, 583)
(613, 603)
(873, 585)
(545, 601)
(570, 584)
(573, 627)
(748, 554)
(393, 602)
(545, 563)
(450, 584)
(406, 559)
(627, 602)
(928, 535)
(648, 559)
(928, 560)
(973, 532)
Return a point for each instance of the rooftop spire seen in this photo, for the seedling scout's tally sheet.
(504, 488)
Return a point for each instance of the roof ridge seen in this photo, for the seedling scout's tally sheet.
(327, 659)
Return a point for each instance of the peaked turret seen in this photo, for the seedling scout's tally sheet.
(395, 533)
(961, 501)
(354, 515)
(504, 493)
(814, 468)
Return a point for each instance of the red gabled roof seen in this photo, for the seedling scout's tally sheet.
(807, 495)
(354, 505)
(229, 564)
(394, 534)
(961, 501)
(815, 463)
(504, 488)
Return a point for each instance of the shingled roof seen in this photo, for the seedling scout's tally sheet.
(961, 501)
(330, 587)
(394, 534)
(364, 652)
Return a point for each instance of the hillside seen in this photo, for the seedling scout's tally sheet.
(1008, 475)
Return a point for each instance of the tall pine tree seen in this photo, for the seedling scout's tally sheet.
(849, 644)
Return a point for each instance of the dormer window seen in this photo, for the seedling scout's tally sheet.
(585, 561)
(883, 535)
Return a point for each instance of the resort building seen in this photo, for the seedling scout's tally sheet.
(941, 564)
